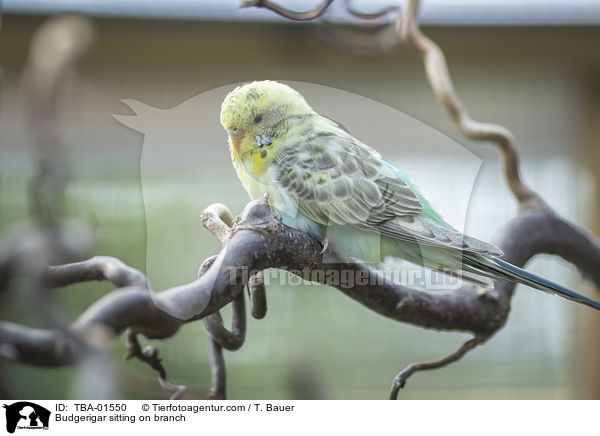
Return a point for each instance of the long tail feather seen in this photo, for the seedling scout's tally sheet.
(508, 271)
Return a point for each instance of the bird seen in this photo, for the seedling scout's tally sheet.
(323, 181)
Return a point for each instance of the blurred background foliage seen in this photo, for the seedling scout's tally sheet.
(539, 80)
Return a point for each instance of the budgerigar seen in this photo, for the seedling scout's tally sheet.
(323, 181)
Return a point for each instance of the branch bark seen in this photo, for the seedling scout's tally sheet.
(97, 268)
(261, 241)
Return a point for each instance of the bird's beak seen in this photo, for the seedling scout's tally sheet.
(236, 136)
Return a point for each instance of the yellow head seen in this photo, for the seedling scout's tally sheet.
(252, 113)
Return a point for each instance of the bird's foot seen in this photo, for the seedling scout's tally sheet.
(325, 243)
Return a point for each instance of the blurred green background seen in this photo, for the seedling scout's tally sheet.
(540, 81)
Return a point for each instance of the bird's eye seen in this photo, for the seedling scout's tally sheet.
(258, 119)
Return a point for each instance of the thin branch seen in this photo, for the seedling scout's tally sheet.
(230, 340)
(150, 355)
(288, 13)
(56, 46)
(217, 218)
(97, 268)
(218, 368)
(218, 390)
(178, 390)
(437, 73)
(400, 379)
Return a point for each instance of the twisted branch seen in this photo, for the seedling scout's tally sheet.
(400, 379)
(288, 13)
(150, 355)
(218, 220)
(259, 240)
(437, 73)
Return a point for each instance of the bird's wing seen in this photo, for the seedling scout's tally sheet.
(334, 178)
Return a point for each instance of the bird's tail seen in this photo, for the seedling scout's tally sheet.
(497, 268)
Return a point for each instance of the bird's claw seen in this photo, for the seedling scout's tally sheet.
(325, 243)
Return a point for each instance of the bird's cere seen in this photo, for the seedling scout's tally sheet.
(234, 132)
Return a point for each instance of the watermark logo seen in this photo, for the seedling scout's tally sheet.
(346, 278)
(25, 415)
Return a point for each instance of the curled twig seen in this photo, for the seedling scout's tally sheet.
(437, 73)
(150, 355)
(400, 379)
(230, 340)
(288, 13)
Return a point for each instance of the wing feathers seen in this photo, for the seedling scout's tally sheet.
(423, 231)
(337, 179)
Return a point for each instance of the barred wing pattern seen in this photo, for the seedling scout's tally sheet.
(334, 178)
